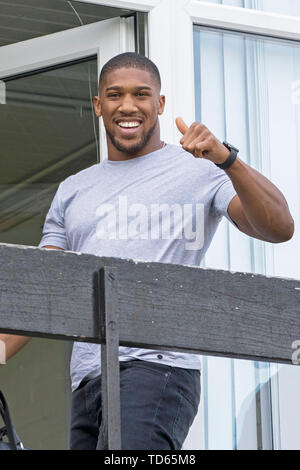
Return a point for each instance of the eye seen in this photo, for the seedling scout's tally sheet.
(113, 95)
(142, 93)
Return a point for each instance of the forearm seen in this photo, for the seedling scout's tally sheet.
(264, 205)
(261, 208)
(10, 345)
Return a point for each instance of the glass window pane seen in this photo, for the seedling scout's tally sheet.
(48, 131)
(247, 91)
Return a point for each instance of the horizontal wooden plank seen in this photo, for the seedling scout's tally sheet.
(214, 312)
(160, 306)
(49, 292)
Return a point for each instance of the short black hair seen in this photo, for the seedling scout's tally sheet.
(130, 60)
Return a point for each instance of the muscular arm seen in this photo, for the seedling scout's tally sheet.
(260, 209)
(11, 344)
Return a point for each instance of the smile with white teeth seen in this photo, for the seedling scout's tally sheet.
(128, 124)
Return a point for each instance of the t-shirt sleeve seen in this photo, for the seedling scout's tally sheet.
(225, 192)
(54, 232)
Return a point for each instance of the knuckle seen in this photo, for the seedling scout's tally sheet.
(188, 148)
(196, 126)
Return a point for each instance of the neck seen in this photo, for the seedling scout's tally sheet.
(118, 155)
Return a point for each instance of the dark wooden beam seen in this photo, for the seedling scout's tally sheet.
(110, 373)
(56, 294)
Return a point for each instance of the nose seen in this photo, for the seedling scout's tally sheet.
(128, 104)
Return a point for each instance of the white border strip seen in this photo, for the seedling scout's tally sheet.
(138, 5)
(64, 46)
(244, 20)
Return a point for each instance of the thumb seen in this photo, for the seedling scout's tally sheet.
(181, 125)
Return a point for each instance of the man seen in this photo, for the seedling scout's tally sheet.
(156, 202)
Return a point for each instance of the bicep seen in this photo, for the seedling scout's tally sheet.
(237, 215)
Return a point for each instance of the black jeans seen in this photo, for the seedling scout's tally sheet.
(158, 406)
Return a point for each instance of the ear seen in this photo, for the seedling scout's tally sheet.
(161, 104)
(97, 106)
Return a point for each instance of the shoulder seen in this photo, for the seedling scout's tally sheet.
(82, 177)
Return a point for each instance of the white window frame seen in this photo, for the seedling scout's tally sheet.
(65, 46)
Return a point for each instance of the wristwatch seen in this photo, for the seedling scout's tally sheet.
(233, 154)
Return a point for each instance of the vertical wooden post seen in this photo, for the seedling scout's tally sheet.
(110, 372)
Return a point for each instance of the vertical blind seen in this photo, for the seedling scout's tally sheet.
(247, 92)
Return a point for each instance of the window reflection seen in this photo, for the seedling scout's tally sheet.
(48, 131)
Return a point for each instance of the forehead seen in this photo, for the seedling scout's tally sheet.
(128, 78)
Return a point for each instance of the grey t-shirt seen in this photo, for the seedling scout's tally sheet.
(164, 206)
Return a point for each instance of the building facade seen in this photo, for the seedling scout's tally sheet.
(233, 65)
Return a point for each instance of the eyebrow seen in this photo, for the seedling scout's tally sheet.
(144, 87)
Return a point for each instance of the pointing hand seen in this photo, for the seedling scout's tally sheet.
(200, 142)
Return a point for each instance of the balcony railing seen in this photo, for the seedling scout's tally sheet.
(112, 301)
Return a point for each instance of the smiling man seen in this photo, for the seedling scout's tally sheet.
(151, 201)
(129, 102)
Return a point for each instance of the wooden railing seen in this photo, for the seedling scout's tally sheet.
(112, 301)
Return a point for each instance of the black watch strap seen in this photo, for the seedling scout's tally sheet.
(233, 155)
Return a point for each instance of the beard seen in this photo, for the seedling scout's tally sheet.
(133, 148)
